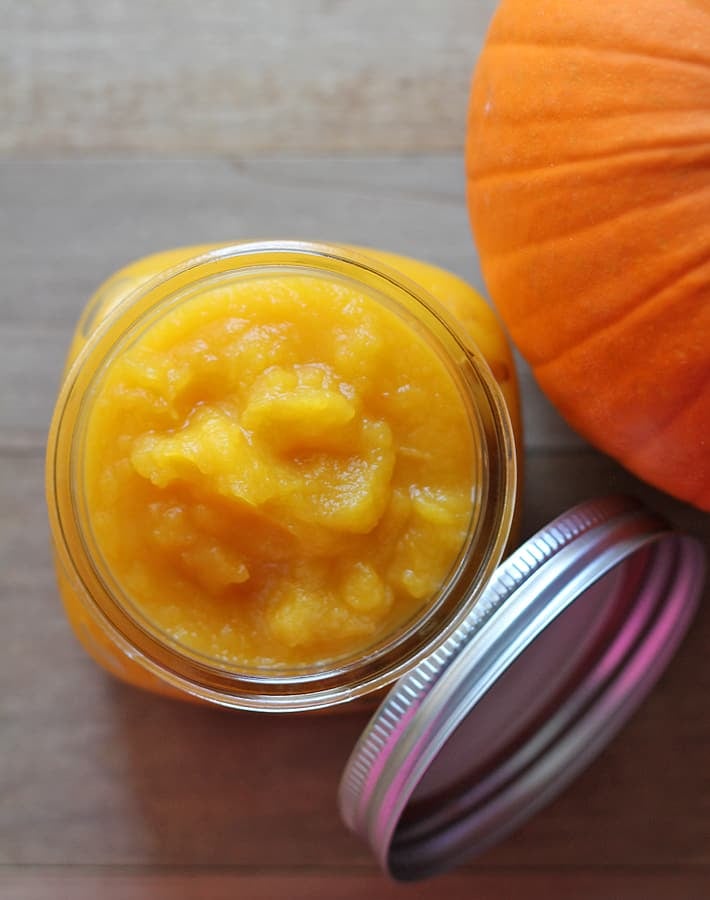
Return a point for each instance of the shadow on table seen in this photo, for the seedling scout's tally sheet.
(218, 787)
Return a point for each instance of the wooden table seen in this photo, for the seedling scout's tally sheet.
(109, 792)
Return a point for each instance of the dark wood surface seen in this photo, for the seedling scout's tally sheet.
(109, 792)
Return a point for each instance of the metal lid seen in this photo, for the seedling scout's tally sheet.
(568, 638)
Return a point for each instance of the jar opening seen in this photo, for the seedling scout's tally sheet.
(330, 678)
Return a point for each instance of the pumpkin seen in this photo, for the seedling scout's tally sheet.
(588, 179)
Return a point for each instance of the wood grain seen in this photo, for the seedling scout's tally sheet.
(580, 885)
(95, 774)
(228, 78)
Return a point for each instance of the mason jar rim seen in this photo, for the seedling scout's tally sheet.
(268, 690)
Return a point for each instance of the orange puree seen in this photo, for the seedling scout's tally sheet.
(279, 471)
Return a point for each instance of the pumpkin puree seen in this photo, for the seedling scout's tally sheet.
(280, 471)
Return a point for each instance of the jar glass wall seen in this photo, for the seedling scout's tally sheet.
(102, 610)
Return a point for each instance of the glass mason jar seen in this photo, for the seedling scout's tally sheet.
(115, 631)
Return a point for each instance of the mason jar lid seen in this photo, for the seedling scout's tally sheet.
(566, 641)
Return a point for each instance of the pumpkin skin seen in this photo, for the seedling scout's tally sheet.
(588, 180)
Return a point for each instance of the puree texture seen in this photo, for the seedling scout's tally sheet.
(279, 472)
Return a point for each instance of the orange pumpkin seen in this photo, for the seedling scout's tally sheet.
(588, 170)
